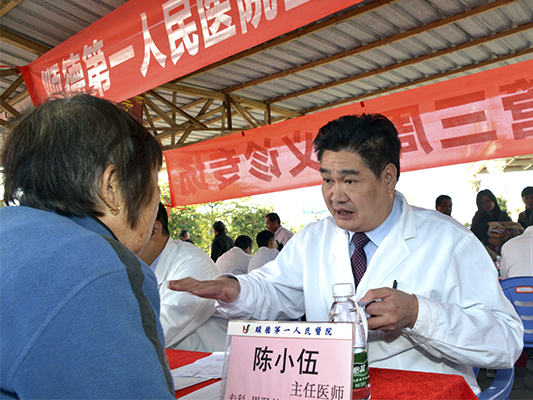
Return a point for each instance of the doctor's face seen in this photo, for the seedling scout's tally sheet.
(356, 198)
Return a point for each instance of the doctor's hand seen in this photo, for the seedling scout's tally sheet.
(223, 288)
(395, 311)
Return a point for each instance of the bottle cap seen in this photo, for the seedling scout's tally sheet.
(342, 290)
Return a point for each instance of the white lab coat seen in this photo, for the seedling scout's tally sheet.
(261, 257)
(464, 319)
(517, 255)
(234, 261)
(189, 322)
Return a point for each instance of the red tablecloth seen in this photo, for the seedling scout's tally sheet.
(386, 383)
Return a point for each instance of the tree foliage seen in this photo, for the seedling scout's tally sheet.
(241, 217)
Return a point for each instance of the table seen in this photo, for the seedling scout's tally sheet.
(386, 383)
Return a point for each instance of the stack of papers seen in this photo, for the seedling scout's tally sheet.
(200, 371)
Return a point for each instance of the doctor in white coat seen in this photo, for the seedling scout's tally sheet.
(189, 322)
(448, 313)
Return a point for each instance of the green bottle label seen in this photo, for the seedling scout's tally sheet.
(360, 370)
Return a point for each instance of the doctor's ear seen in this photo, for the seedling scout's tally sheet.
(390, 176)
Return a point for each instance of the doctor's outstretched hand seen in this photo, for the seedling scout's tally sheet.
(223, 288)
(395, 311)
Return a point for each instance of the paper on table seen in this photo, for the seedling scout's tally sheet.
(211, 392)
(181, 382)
(208, 367)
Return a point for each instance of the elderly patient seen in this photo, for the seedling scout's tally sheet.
(189, 322)
(448, 313)
(80, 312)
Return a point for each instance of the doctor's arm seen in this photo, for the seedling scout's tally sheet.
(471, 322)
(223, 288)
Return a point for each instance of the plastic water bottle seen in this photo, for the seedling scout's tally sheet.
(345, 309)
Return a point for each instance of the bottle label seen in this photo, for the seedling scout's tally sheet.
(360, 370)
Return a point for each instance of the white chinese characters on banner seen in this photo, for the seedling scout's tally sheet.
(97, 72)
(181, 10)
(216, 24)
(71, 76)
(186, 27)
(250, 12)
(150, 48)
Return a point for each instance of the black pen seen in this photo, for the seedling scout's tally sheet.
(395, 284)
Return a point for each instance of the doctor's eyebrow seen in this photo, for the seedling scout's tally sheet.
(342, 172)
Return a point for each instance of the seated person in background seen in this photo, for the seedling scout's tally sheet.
(189, 322)
(501, 232)
(221, 242)
(235, 261)
(184, 235)
(267, 250)
(448, 312)
(80, 311)
(517, 255)
(525, 218)
(281, 234)
(488, 210)
(443, 204)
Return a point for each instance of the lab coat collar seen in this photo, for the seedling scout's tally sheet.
(381, 270)
(161, 269)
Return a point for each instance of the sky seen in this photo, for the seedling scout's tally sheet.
(421, 188)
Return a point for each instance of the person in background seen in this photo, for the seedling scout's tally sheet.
(235, 261)
(517, 255)
(447, 295)
(80, 311)
(488, 210)
(443, 204)
(268, 250)
(525, 218)
(281, 234)
(221, 242)
(189, 322)
(184, 235)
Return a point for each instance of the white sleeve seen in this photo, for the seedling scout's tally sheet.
(468, 326)
(183, 313)
(272, 292)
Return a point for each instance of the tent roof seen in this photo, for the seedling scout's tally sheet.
(371, 49)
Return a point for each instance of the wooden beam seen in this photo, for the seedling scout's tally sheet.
(7, 5)
(248, 117)
(22, 43)
(8, 108)
(177, 109)
(403, 64)
(296, 34)
(158, 111)
(371, 46)
(208, 94)
(12, 88)
(8, 72)
(420, 81)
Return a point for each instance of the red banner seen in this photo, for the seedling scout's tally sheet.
(477, 117)
(143, 44)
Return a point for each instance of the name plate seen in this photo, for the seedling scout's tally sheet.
(288, 360)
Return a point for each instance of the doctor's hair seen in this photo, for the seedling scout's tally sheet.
(243, 242)
(372, 136)
(263, 238)
(55, 155)
(162, 217)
